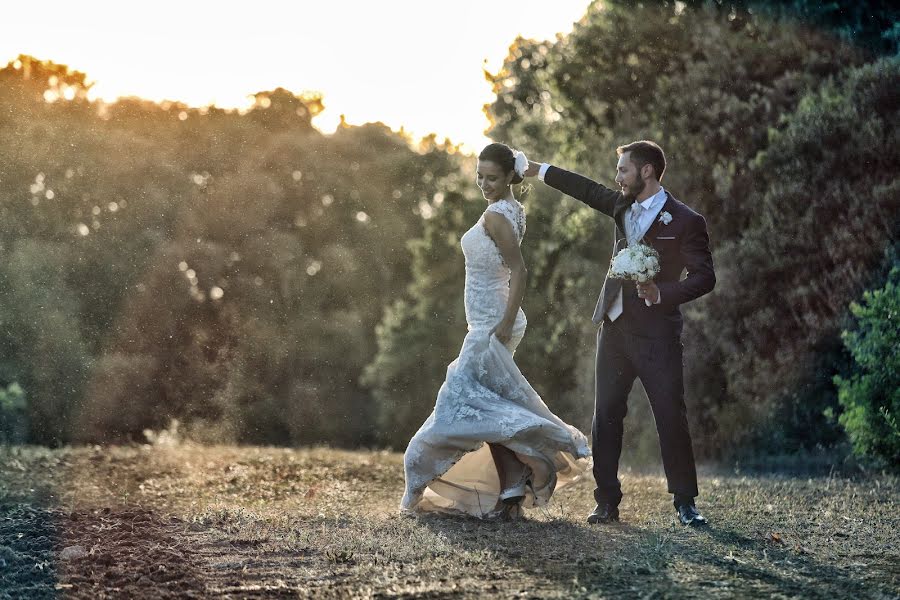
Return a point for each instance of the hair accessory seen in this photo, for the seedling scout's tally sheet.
(521, 163)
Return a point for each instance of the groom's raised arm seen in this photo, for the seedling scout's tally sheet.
(595, 195)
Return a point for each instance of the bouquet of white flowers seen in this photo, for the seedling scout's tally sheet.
(638, 262)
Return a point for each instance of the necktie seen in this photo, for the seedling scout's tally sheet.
(634, 220)
(615, 309)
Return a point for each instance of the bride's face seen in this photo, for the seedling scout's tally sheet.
(494, 183)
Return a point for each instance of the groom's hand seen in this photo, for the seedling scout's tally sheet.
(648, 291)
(533, 169)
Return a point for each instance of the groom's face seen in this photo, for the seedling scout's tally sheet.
(629, 178)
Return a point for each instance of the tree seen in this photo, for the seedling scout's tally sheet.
(711, 89)
(827, 208)
(224, 269)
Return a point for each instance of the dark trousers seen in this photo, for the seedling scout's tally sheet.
(622, 356)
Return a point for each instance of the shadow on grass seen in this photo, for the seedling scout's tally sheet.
(28, 540)
(787, 570)
(627, 560)
(566, 557)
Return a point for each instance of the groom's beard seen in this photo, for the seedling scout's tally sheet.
(635, 190)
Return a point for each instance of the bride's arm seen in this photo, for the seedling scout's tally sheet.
(501, 231)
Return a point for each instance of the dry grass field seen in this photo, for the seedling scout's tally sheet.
(188, 521)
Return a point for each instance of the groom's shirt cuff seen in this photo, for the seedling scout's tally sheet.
(543, 171)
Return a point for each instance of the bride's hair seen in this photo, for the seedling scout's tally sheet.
(506, 157)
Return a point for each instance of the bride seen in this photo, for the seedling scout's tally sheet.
(491, 446)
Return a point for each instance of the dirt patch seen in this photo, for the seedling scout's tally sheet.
(235, 522)
(124, 552)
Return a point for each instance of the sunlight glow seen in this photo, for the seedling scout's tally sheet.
(410, 64)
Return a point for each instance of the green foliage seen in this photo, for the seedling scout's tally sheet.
(227, 270)
(871, 395)
(13, 409)
(44, 346)
(709, 90)
(870, 24)
(714, 88)
(827, 205)
(263, 283)
(420, 334)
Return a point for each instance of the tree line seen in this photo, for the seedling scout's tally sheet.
(264, 283)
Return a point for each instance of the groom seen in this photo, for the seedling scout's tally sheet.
(640, 324)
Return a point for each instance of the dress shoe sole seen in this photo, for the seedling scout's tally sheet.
(596, 519)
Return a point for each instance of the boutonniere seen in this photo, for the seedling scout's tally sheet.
(665, 218)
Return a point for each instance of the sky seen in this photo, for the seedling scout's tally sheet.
(416, 64)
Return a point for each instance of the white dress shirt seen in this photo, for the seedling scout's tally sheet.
(647, 211)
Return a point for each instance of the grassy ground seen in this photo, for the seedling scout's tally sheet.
(195, 522)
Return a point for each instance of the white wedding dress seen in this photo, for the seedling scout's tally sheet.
(485, 398)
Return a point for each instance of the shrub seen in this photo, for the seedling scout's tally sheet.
(871, 395)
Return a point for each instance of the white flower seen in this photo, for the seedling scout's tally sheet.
(639, 262)
(521, 163)
(665, 218)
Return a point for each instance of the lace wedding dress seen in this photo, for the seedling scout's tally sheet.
(485, 398)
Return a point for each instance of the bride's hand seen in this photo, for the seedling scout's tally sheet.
(503, 331)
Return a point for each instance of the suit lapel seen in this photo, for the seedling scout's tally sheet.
(619, 211)
(653, 231)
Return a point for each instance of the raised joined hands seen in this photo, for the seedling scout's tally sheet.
(533, 169)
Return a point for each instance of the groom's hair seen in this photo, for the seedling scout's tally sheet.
(645, 152)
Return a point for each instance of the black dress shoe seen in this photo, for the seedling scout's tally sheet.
(603, 513)
(689, 515)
